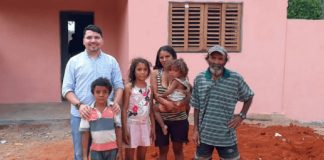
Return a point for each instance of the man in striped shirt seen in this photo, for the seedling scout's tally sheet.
(215, 94)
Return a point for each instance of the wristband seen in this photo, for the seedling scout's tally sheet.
(78, 105)
(242, 115)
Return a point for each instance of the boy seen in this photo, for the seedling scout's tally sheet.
(104, 125)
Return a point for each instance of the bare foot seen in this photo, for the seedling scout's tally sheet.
(165, 130)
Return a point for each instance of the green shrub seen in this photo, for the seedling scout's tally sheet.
(304, 9)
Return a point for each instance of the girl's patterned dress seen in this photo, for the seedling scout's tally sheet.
(138, 117)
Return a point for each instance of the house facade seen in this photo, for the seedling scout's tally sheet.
(279, 58)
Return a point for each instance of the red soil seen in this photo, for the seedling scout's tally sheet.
(255, 143)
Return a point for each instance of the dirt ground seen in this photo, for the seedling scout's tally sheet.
(256, 142)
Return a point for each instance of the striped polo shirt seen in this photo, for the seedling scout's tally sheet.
(216, 101)
(102, 128)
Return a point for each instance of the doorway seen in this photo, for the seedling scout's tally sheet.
(71, 30)
(72, 25)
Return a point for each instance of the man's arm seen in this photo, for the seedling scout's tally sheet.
(118, 96)
(237, 119)
(118, 85)
(196, 138)
(117, 99)
(68, 89)
(83, 109)
(245, 94)
(246, 106)
(71, 97)
(194, 102)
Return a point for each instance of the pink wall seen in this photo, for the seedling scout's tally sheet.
(304, 78)
(273, 51)
(276, 52)
(147, 27)
(122, 37)
(30, 46)
(263, 38)
(264, 29)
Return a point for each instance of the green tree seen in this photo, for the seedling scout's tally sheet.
(305, 9)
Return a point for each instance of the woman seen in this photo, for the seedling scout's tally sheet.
(174, 116)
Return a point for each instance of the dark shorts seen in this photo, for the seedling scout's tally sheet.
(103, 155)
(177, 130)
(206, 151)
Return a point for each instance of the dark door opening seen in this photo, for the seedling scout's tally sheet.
(71, 30)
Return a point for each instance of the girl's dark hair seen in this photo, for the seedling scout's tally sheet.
(132, 68)
(93, 28)
(180, 65)
(168, 49)
(101, 81)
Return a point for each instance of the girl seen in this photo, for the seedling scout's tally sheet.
(137, 113)
(178, 85)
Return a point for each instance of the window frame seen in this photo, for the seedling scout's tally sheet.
(228, 34)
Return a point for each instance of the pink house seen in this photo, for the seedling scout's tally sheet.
(281, 59)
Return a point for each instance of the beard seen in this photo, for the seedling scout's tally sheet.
(216, 69)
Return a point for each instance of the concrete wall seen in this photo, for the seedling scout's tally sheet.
(30, 45)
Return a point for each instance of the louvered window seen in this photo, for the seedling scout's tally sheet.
(194, 27)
